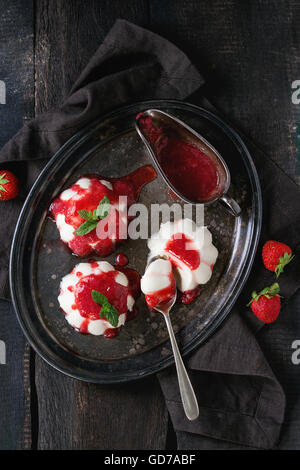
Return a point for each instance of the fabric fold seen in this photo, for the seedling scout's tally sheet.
(239, 397)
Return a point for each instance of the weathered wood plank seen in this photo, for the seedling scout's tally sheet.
(16, 107)
(68, 32)
(74, 415)
(16, 65)
(249, 54)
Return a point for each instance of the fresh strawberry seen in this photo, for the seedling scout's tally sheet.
(276, 256)
(266, 304)
(9, 185)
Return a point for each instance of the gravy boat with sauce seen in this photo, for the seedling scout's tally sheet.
(165, 121)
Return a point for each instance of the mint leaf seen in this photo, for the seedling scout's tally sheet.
(108, 311)
(86, 227)
(103, 208)
(87, 215)
(99, 298)
(111, 314)
(92, 218)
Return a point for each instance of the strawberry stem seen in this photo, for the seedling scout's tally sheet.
(2, 182)
(268, 292)
(283, 261)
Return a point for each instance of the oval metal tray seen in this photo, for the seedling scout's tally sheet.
(111, 148)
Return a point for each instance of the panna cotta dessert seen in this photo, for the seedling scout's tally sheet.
(92, 215)
(158, 283)
(190, 251)
(98, 299)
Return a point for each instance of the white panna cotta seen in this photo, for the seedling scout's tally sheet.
(81, 311)
(68, 208)
(190, 250)
(158, 283)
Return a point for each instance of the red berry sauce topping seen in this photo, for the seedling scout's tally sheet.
(85, 195)
(162, 296)
(119, 287)
(191, 171)
(181, 248)
(121, 259)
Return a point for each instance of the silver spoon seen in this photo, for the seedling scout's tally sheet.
(165, 120)
(187, 393)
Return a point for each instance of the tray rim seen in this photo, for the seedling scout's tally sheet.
(74, 142)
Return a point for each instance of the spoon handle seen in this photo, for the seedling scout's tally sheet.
(187, 393)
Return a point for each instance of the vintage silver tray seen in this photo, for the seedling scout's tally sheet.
(112, 148)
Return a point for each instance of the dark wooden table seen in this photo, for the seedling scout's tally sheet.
(249, 53)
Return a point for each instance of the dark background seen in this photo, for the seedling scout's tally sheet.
(249, 54)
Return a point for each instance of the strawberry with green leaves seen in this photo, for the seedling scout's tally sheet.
(9, 185)
(266, 304)
(276, 256)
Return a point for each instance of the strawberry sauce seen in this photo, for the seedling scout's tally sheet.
(105, 283)
(189, 296)
(87, 196)
(134, 281)
(117, 294)
(121, 259)
(191, 171)
(181, 248)
(162, 296)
